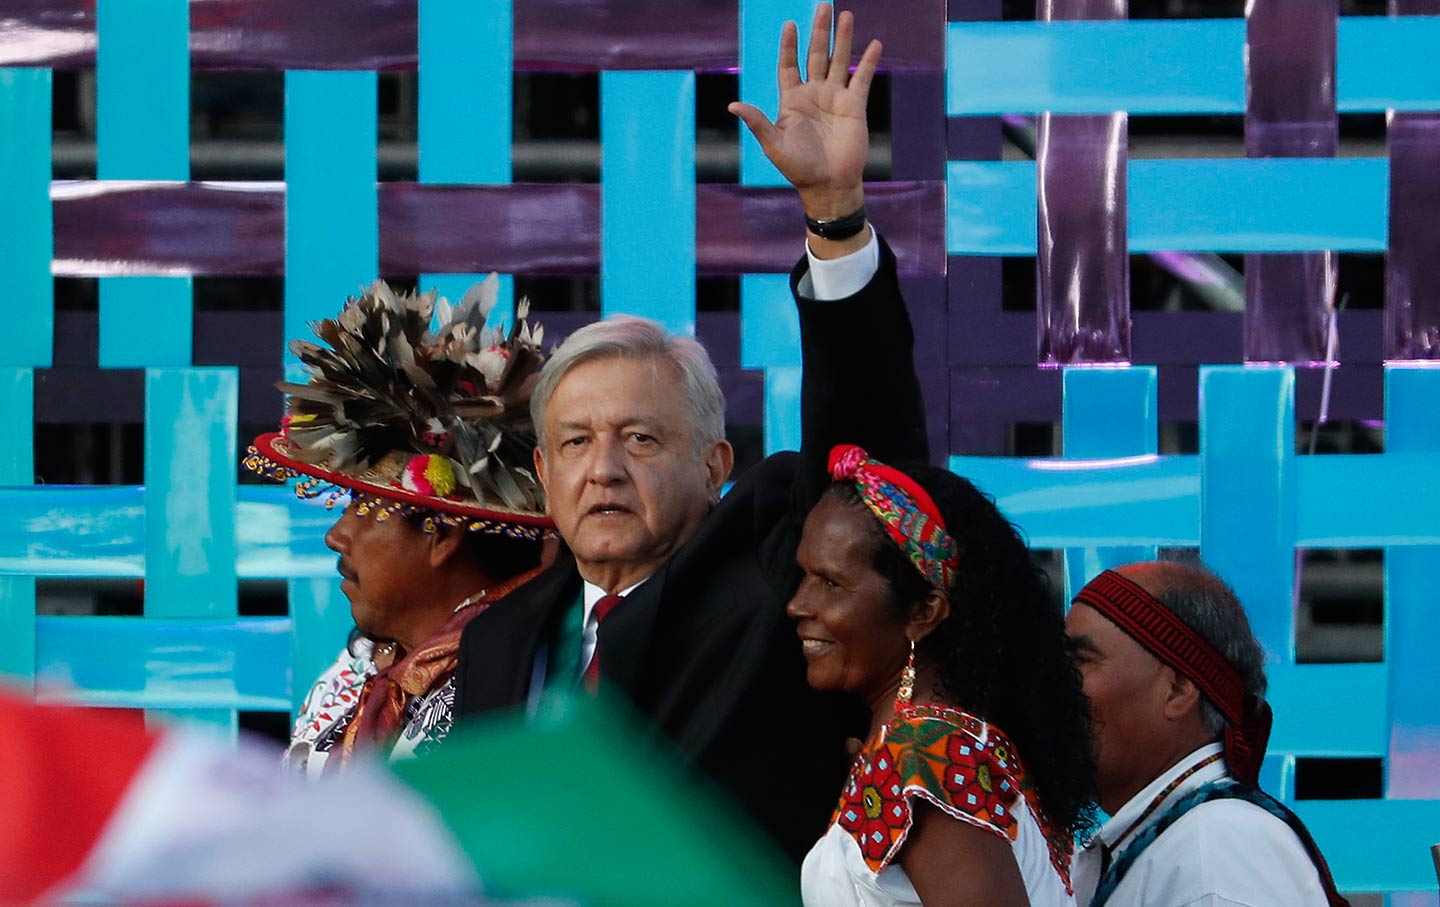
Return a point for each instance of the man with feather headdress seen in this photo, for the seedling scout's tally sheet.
(429, 435)
(669, 594)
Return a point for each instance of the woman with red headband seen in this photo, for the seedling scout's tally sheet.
(976, 775)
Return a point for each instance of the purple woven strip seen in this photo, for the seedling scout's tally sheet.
(110, 228)
(1083, 268)
(913, 31)
(1290, 112)
(571, 35)
(1412, 269)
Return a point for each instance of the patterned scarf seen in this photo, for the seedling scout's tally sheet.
(1142, 617)
(908, 514)
(380, 715)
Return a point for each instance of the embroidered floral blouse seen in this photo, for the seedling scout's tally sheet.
(959, 764)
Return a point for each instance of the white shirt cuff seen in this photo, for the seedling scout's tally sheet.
(838, 278)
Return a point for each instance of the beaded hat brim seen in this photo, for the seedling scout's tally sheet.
(275, 456)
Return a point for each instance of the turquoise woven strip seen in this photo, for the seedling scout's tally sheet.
(1208, 205)
(466, 107)
(27, 233)
(17, 593)
(1178, 66)
(331, 215)
(647, 196)
(1108, 412)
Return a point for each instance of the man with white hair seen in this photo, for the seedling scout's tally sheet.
(668, 593)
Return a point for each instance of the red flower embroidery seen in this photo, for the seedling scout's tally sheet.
(979, 780)
(873, 807)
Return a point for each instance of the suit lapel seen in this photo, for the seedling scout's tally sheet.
(501, 645)
(625, 636)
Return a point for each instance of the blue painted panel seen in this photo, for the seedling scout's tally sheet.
(1189, 66)
(1108, 412)
(782, 408)
(760, 22)
(1247, 512)
(1261, 205)
(647, 196)
(332, 246)
(99, 531)
(465, 107)
(1412, 621)
(1368, 501)
(190, 457)
(321, 619)
(152, 663)
(27, 234)
(991, 208)
(1265, 205)
(769, 322)
(1178, 66)
(17, 593)
(1352, 722)
(142, 89)
(145, 322)
(1375, 845)
(1387, 62)
(1120, 501)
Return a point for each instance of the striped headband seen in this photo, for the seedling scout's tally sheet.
(905, 510)
(1142, 617)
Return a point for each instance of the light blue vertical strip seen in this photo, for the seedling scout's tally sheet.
(17, 467)
(332, 246)
(1412, 621)
(1108, 412)
(146, 322)
(190, 476)
(769, 324)
(320, 621)
(647, 196)
(1247, 508)
(142, 89)
(27, 234)
(466, 106)
(142, 128)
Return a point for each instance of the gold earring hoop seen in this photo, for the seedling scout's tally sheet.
(907, 680)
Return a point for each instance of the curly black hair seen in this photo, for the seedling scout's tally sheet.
(1002, 651)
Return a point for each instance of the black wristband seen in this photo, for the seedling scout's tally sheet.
(839, 228)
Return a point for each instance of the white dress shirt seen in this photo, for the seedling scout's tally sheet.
(590, 627)
(837, 278)
(1225, 852)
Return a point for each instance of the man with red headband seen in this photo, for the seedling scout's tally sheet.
(1176, 683)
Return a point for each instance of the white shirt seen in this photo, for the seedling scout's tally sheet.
(1225, 852)
(589, 626)
(837, 278)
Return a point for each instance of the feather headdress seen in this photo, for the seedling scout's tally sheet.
(431, 420)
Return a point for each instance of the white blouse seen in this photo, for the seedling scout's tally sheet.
(961, 765)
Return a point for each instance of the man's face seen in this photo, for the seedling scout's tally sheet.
(622, 479)
(384, 565)
(1127, 691)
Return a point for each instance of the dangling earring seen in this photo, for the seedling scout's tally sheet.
(907, 680)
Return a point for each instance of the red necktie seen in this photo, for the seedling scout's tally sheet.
(592, 671)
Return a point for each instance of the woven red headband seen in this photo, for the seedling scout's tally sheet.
(907, 512)
(1142, 617)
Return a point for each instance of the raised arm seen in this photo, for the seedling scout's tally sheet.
(859, 384)
(819, 140)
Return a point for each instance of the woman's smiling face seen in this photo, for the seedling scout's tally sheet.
(851, 639)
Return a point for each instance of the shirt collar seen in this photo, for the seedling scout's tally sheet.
(593, 593)
(1126, 815)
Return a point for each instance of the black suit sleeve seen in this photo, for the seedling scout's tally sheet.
(859, 384)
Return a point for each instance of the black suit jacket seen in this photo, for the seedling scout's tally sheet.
(703, 648)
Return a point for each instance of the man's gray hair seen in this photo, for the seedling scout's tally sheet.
(628, 337)
(1206, 604)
